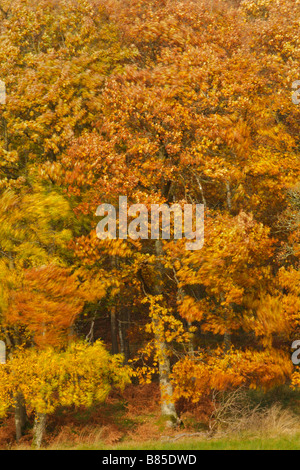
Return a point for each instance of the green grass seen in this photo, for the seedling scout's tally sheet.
(264, 443)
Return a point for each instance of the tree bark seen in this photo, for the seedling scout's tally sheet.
(121, 337)
(20, 415)
(191, 341)
(71, 334)
(227, 341)
(228, 196)
(114, 331)
(114, 315)
(39, 429)
(168, 410)
(124, 343)
(126, 340)
(227, 335)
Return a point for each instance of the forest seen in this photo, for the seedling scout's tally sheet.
(165, 102)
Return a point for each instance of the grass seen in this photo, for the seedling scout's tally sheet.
(264, 443)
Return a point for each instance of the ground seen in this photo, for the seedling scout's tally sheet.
(132, 421)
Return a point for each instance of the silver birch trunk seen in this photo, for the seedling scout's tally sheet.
(39, 429)
(168, 410)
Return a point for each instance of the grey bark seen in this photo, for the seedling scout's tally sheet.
(167, 403)
(39, 429)
(228, 196)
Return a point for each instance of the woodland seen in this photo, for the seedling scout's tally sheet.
(164, 102)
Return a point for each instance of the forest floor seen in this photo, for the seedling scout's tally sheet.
(131, 421)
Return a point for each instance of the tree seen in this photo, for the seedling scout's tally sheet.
(33, 244)
(81, 375)
(55, 56)
(164, 102)
(200, 117)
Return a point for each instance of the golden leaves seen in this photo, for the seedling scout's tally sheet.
(196, 377)
(81, 375)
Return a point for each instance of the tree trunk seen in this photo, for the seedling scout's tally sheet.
(114, 315)
(114, 331)
(121, 337)
(191, 341)
(228, 196)
(71, 334)
(227, 335)
(126, 340)
(168, 410)
(227, 341)
(124, 343)
(166, 389)
(39, 429)
(20, 415)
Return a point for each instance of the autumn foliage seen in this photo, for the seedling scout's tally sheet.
(165, 101)
(81, 375)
